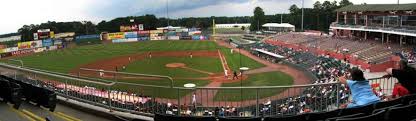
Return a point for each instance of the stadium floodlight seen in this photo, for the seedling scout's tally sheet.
(131, 20)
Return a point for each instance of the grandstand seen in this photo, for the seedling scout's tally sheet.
(389, 26)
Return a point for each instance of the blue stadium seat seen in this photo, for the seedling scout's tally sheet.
(378, 116)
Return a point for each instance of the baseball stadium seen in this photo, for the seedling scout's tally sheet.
(354, 62)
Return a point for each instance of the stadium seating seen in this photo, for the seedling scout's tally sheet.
(239, 119)
(10, 92)
(162, 117)
(403, 113)
(36, 93)
(378, 116)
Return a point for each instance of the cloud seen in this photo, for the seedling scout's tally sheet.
(16, 13)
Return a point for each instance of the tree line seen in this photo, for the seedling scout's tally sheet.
(317, 18)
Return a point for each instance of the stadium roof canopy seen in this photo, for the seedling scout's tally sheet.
(378, 7)
(277, 25)
(269, 53)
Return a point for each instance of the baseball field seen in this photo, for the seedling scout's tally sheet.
(200, 62)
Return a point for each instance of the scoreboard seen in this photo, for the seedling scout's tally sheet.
(43, 34)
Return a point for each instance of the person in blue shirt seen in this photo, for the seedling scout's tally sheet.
(361, 90)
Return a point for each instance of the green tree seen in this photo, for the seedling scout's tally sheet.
(258, 19)
(344, 3)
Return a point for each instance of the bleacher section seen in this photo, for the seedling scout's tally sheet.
(401, 109)
(371, 51)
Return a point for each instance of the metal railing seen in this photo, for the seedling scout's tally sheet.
(147, 100)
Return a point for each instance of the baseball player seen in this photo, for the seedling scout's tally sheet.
(226, 73)
(101, 73)
(194, 99)
(190, 55)
(150, 54)
(235, 75)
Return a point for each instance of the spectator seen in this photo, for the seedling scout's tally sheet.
(361, 91)
(405, 75)
(399, 91)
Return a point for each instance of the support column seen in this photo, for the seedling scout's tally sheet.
(337, 17)
(365, 35)
(382, 38)
(388, 38)
(401, 40)
(355, 18)
(384, 19)
(366, 20)
(401, 21)
(345, 18)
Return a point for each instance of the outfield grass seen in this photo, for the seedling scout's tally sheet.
(263, 79)
(67, 59)
(157, 66)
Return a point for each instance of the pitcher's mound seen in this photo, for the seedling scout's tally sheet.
(175, 65)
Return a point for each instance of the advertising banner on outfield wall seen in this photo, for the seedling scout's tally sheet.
(47, 42)
(53, 47)
(143, 32)
(11, 49)
(117, 35)
(57, 42)
(173, 37)
(52, 34)
(36, 44)
(35, 36)
(124, 40)
(156, 38)
(20, 52)
(130, 35)
(24, 45)
(156, 31)
(92, 36)
(38, 50)
(143, 38)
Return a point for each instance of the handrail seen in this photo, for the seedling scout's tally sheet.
(20, 61)
(81, 77)
(133, 74)
(66, 76)
(54, 75)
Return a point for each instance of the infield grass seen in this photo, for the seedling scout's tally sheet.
(262, 79)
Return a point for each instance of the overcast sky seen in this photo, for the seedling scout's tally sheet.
(16, 13)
